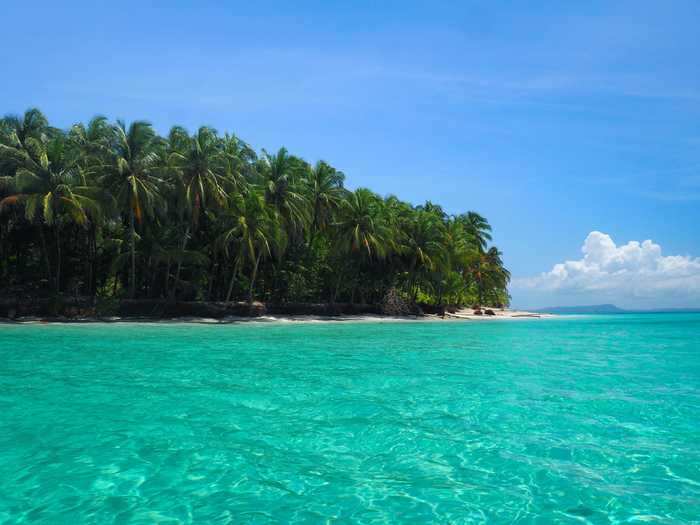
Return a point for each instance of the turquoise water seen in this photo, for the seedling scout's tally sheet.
(577, 420)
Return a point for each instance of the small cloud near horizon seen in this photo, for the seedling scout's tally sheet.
(635, 274)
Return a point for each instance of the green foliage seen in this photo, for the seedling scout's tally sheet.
(107, 210)
(107, 307)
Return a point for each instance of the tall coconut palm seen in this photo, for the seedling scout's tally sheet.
(132, 177)
(361, 232)
(497, 276)
(283, 191)
(198, 161)
(197, 164)
(239, 163)
(46, 183)
(91, 143)
(488, 272)
(456, 251)
(362, 228)
(478, 227)
(91, 148)
(254, 232)
(422, 243)
(15, 130)
(325, 192)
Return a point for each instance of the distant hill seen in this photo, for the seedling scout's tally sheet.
(609, 309)
(589, 309)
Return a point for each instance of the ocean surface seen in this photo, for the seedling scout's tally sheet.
(571, 420)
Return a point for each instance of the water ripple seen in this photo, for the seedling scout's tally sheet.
(592, 420)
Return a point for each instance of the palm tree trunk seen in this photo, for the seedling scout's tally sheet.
(337, 287)
(57, 236)
(275, 279)
(233, 280)
(132, 249)
(412, 278)
(4, 259)
(93, 262)
(173, 291)
(314, 227)
(213, 274)
(252, 279)
(480, 287)
(166, 289)
(45, 252)
(90, 266)
(153, 269)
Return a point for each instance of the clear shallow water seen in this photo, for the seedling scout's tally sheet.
(588, 420)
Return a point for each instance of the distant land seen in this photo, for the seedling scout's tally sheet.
(607, 309)
(587, 309)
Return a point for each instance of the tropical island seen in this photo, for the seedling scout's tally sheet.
(108, 218)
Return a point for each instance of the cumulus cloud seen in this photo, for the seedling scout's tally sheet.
(632, 270)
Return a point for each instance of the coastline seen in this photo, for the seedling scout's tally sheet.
(460, 315)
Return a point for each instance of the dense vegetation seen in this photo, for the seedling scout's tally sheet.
(110, 210)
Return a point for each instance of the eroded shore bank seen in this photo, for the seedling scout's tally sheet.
(153, 311)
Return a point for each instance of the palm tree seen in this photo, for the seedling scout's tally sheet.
(422, 243)
(488, 272)
(362, 228)
(254, 231)
(198, 164)
(90, 147)
(239, 163)
(478, 227)
(47, 184)
(325, 191)
(456, 251)
(497, 276)
(132, 178)
(282, 189)
(238, 171)
(15, 130)
(362, 231)
(92, 142)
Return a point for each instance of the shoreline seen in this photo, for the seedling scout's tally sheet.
(460, 315)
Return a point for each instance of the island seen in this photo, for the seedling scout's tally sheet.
(112, 219)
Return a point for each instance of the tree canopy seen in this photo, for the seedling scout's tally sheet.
(116, 210)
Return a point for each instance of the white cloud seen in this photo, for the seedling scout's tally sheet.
(627, 272)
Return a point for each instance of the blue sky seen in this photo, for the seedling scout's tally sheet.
(554, 120)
